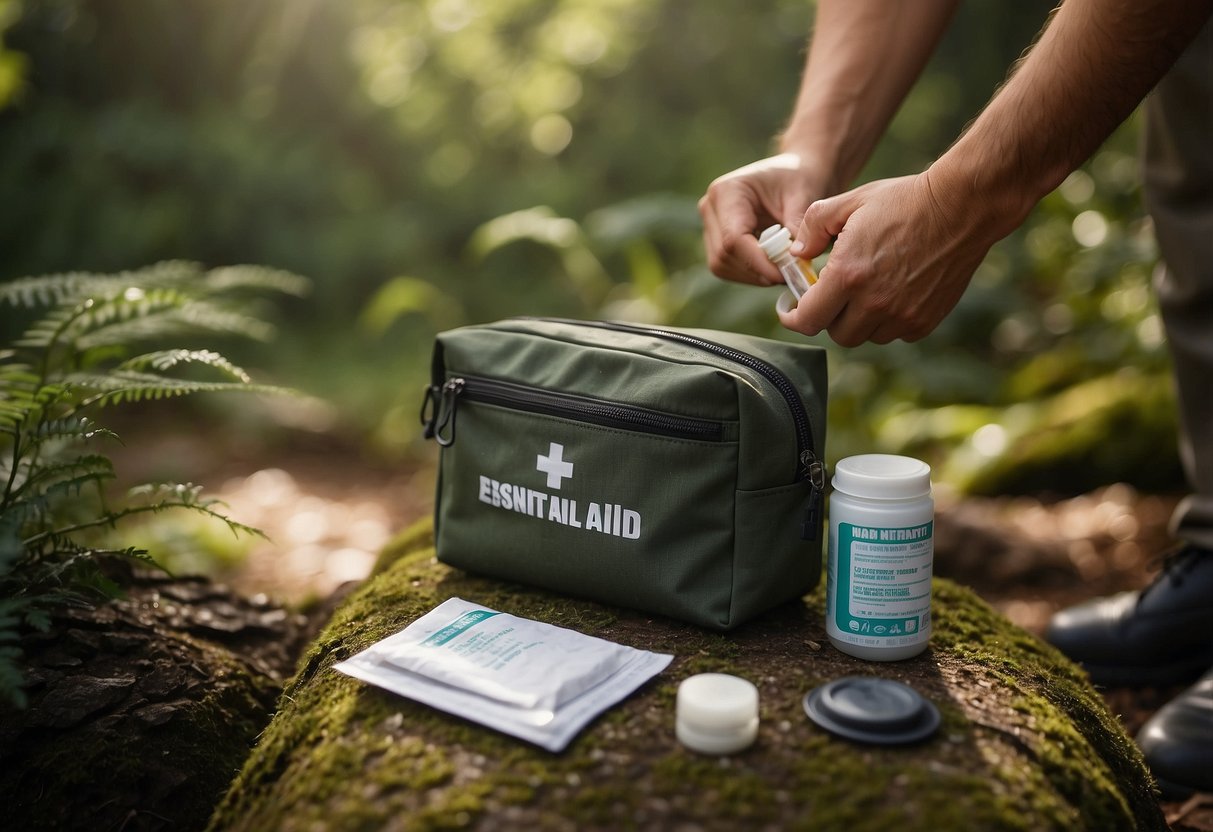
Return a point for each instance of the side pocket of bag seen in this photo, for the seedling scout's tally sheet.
(771, 562)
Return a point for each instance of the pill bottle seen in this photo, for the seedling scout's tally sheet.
(798, 274)
(878, 575)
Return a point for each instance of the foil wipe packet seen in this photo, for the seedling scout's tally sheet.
(535, 681)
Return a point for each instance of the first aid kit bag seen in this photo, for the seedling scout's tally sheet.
(673, 471)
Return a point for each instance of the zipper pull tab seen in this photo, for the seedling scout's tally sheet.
(429, 410)
(444, 430)
(810, 526)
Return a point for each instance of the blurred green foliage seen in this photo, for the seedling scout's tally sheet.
(435, 162)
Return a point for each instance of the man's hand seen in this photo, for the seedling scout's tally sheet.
(903, 255)
(740, 204)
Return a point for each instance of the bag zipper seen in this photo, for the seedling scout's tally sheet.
(786, 389)
(811, 468)
(566, 405)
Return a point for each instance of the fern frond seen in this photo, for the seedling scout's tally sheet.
(72, 427)
(184, 493)
(210, 317)
(47, 290)
(40, 509)
(68, 323)
(130, 386)
(70, 287)
(171, 496)
(195, 317)
(260, 278)
(21, 406)
(165, 496)
(167, 359)
(17, 376)
(51, 480)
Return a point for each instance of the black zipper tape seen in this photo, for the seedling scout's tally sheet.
(585, 409)
(781, 383)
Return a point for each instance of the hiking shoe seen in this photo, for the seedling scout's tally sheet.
(1161, 635)
(1178, 742)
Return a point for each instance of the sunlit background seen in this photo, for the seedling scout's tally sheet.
(430, 163)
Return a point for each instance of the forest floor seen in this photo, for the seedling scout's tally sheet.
(327, 510)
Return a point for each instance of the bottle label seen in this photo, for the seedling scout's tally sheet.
(882, 584)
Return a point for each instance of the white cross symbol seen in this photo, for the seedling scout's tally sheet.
(554, 465)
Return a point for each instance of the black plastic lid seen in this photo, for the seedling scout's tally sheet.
(871, 709)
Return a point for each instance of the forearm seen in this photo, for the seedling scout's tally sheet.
(864, 57)
(1093, 64)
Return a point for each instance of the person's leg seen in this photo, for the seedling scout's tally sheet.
(1164, 634)
(1178, 170)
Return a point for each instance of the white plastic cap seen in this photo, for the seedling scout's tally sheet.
(775, 241)
(882, 476)
(716, 713)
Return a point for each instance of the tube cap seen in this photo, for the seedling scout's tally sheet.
(716, 713)
(774, 241)
(873, 710)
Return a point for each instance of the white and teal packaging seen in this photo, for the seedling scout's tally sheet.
(531, 680)
(881, 550)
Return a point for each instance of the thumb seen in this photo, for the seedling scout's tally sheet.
(823, 222)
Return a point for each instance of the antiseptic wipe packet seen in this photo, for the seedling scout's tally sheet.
(529, 679)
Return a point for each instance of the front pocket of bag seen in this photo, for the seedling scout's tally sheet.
(629, 517)
(774, 563)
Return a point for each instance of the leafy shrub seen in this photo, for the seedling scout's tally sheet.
(74, 359)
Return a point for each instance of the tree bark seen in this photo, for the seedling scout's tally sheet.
(142, 709)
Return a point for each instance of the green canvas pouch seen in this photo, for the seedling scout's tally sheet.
(674, 471)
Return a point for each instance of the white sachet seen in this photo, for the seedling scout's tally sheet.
(513, 660)
(529, 679)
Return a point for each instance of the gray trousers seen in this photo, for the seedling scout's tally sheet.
(1178, 172)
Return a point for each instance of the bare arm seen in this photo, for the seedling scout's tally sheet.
(906, 248)
(864, 57)
(863, 60)
(1093, 65)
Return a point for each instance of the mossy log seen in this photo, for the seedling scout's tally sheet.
(1025, 744)
(141, 709)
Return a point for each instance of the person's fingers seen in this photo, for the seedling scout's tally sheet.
(819, 308)
(733, 253)
(823, 221)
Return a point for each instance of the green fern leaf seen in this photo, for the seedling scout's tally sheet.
(71, 287)
(164, 496)
(37, 619)
(129, 386)
(74, 472)
(167, 359)
(72, 427)
(196, 317)
(259, 278)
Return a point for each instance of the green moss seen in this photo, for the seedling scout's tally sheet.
(1025, 744)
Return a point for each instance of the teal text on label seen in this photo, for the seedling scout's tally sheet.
(450, 631)
(906, 580)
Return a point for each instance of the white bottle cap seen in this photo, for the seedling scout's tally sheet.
(716, 713)
(882, 477)
(775, 241)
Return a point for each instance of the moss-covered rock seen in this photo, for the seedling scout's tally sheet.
(1026, 743)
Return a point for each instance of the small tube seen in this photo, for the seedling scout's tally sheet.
(798, 274)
